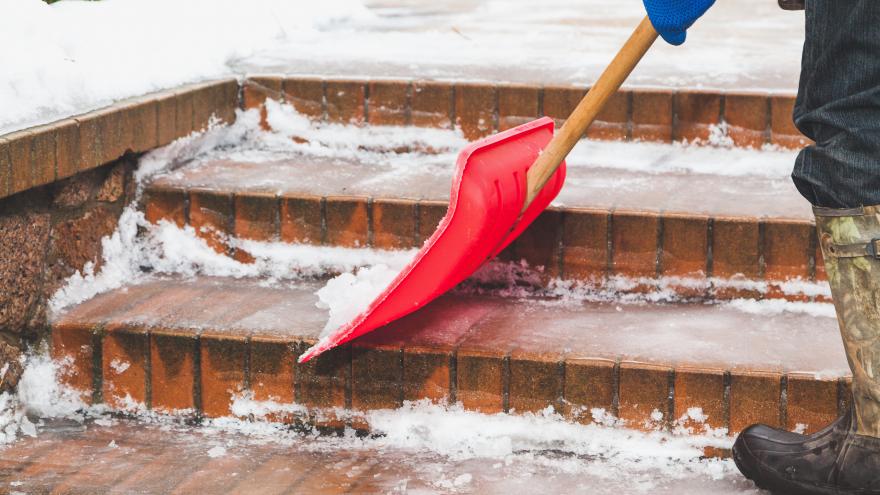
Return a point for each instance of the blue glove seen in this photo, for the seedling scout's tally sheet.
(672, 18)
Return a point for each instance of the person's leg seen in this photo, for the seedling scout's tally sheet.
(838, 104)
(838, 107)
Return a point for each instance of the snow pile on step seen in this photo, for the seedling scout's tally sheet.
(39, 395)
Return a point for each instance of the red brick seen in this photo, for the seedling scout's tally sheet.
(432, 104)
(685, 245)
(345, 101)
(116, 132)
(644, 388)
(165, 204)
(145, 131)
(475, 110)
(347, 221)
(183, 116)
(539, 243)
(536, 381)
(634, 241)
(73, 346)
(222, 373)
(787, 249)
(272, 372)
(479, 383)
(394, 223)
(66, 149)
(782, 129)
(214, 99)
(702, 388)
(517, 104)
(256, 216)
(585, 243)
(735, 247)
(652, 115)
(695, 113)
(257, 90)
(811, 402)
(125, 368)
(301, 219)
(166, 118)
(90, 141)
(748, 119)
(589, 384)
(172, 371)
(43, 155)
(754, 398)
(560, 101)
(210, 214)
(20, 146)
(430, 215)
(5, 168)
(612, 122)
(306, 94)
(322, 382)
(389, 102)
(426, 373)
(376, 377)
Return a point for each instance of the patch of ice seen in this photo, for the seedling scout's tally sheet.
(119, 366)
(772, 307)
(218, 451)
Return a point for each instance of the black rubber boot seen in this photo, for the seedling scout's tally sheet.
(834, 461)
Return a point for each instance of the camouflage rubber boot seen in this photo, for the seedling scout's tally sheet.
(844, 457)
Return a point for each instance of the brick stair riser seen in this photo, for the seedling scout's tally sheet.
(169, 371)
(44, 154)
(481, 109)
(570, 243)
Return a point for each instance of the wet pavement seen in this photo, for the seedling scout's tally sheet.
(124, 457)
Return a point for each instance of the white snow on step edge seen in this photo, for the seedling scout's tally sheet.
(374, 144)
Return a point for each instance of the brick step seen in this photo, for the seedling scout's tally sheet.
(752, 119)
(191, 345)
(608, 222)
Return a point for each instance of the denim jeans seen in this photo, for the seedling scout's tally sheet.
(838, 104)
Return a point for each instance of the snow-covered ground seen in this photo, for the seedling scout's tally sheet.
(74, 56)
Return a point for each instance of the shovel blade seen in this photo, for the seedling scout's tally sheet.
(488, 193)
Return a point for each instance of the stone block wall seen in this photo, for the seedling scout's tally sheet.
(46, 235)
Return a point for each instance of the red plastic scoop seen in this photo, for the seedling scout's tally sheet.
(501, 185)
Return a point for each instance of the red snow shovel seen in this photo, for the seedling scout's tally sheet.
(501, 185)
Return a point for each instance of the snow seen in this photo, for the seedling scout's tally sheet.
(84, 55)
(349, 294)
(217, 451)
(75, 56)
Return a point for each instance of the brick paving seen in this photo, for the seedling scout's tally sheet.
(116, 456)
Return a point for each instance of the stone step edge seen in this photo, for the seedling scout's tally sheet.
(47, 153)
(478, 109)
(585, 244)
(200, 372)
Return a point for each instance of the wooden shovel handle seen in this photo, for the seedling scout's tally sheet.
(579, 120)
